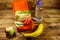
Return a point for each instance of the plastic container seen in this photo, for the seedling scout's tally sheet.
(38, 11)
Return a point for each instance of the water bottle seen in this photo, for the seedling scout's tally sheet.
(38, 11)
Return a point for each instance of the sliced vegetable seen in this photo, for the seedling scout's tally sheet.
(10, 30)
(23, 28)
(17, 24)
(22, 13)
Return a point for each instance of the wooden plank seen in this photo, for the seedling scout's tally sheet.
(6, 22)
(46, 32)
(51, 20)
(51, 29)
(47, 13)
(7, 4)
(7, 25)
(49, 38)
(51, 3)
(6, 14)
(47, 21)
(51, 13)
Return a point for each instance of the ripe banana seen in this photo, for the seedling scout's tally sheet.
(36, 33)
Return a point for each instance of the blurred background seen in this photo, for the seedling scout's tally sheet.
(51, 19)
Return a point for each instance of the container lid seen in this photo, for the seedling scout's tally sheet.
(39, 3)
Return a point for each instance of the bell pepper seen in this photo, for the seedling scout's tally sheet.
(22, 15)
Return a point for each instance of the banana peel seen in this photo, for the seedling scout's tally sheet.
(36, 33)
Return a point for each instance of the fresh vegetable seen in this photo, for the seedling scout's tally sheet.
(22, 14)
(25, 25)
(17, 24)
(20, 26)
(10, 30)
(23, 28)
(35, 33)
(29, 23)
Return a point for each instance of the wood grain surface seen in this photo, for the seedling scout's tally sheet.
(51, 28)
(51, 19)
(7, 4)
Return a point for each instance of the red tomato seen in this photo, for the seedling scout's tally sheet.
(27, 22)
(23, 28)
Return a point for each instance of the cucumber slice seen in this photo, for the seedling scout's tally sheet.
(17, 24)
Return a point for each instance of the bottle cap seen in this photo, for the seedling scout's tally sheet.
(39, 3)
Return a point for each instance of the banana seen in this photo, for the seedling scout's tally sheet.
(36, 33)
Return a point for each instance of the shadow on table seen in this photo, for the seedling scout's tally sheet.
(9, 36)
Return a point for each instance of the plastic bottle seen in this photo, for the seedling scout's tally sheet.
(38, 11)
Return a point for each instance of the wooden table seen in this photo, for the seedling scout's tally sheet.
(51, 20)
(51, 25)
